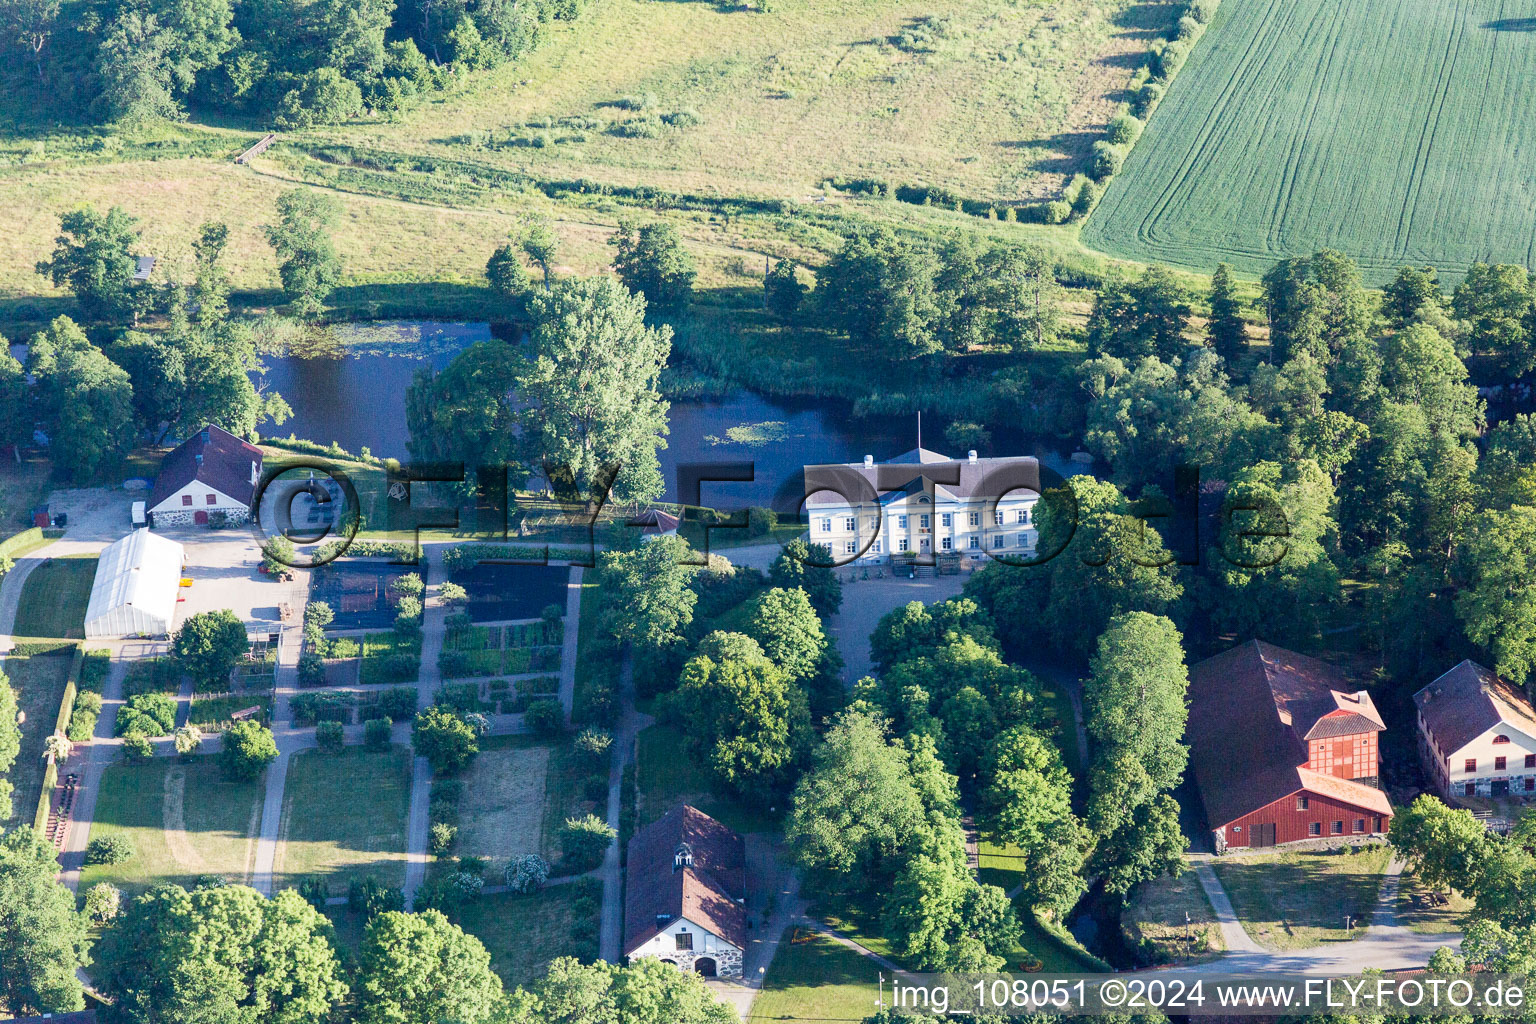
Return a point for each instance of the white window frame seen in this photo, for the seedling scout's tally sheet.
(947, 519)
(975, 542)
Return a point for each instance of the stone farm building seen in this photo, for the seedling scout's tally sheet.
(1283, 748)
(1477, 734)
(683, 901)
(212, 471)
(924, 503)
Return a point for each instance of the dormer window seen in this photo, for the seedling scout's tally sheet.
(1501, 738)
(683, 858)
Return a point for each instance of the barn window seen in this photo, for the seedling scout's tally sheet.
(1471, 764)
(684, 940)
(1530, 783)
(1530, 760)
(1301, 803)
(186, 499)
(1499, 763)
(1501, 738)
(1470, 789)
(1338, 828)
(212, 499)
(1314, 828)
(1359, 825)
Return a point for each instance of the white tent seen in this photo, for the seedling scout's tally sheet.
(137, 583)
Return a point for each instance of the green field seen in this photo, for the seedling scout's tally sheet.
(344, 817)
(817, 980)
(183, 820)
(55, 596)
(1299, 898)
(1398, 133)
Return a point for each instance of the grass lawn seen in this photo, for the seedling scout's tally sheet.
(1158, 912)
(1429, 916)
(1053, 946)
(666, 779)
(184, 820)
(1059, 706)
(523, 933)
(564, 797)
(501, 809)
(1003, 98)
(817, 980)
(54, 598)
(1255, 152)
(344, 817)
(38, 680)
(1297, 899)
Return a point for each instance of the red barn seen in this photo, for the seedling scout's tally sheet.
(1283, 748)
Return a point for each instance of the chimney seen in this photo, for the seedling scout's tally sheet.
(869, 462)
(971, 456)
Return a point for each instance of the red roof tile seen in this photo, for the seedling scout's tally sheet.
(704, 894)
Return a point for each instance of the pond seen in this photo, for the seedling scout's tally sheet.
(349, 384)
(355, 395)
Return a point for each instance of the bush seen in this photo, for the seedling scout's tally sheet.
(686, 118)
(82, 719)
(1189, 28)
(311, 670)
(1169, 58)
(444, 739)
(369, 896)
(584, 842)
(322, 96)
(318, 613)
(330, 736)
(397, 703)
(552, 613)
(136, 747)
(1124, 130)
(315, 891)
(111, 849)
(1147, 98)
(594, 746)
(442, 838)
(1058, 211)
(527, 873)
(761, 521)
(188, 739)
(1203, 10)
(1107, 160)
(248, 747)
(150, 714)
(1084, 198)
(103, 902)
(376, 734)
(545, 717)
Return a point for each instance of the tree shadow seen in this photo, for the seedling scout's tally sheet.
(1062, 153)
(1512, 25)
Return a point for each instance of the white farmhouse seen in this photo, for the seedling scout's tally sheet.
(212, 471)
(924, 503)
(683, 898)
(1477, 734)
(138, 581)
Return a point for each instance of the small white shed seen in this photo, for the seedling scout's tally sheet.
(138, 580)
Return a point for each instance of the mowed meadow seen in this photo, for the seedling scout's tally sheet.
(1398, 133)
(996, 99)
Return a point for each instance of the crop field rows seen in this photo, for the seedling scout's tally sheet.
(1398, 133)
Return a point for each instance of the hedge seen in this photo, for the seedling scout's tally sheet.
(60, 725)
(26, 538)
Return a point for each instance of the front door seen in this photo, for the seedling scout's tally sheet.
(1264, 834)
(200, 517)
(1501, 787)
(923, 545)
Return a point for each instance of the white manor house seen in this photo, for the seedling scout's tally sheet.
(922, 503)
